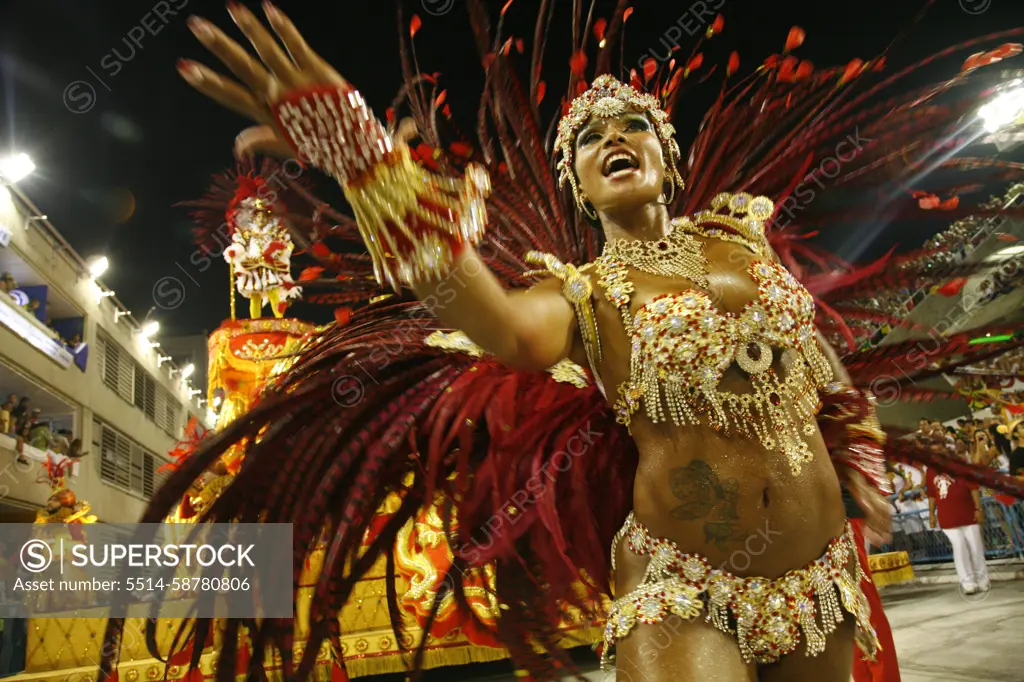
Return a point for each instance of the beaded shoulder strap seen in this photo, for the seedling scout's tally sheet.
(578, 290)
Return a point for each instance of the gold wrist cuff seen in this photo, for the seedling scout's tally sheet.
(414, 222)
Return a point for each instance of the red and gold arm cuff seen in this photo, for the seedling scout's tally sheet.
(414, 222)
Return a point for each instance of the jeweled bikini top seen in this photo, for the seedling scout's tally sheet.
(682, 345)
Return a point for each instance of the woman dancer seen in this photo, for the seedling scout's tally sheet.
(697, 338)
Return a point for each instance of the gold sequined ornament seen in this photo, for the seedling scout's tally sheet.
(736, 218)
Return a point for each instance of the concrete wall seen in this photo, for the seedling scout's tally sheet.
(63, 272)
(186, 349)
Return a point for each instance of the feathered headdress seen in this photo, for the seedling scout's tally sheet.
(267, 180)
(55, 473)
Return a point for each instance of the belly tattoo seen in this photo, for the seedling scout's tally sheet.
(705, 497)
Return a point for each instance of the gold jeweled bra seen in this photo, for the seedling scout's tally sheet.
(682, 346)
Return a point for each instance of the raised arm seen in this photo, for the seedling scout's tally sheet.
(531, 329)
(420, 228)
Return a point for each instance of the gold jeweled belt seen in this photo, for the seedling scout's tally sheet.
(766, 616)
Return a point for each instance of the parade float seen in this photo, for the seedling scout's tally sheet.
(244, 356)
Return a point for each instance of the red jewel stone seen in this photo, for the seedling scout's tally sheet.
(753, 351)
(775, 398)
(663, 245)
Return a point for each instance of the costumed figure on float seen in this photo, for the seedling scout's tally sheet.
(260, 251)
(613, 387)
(65, 518)
(63, 506)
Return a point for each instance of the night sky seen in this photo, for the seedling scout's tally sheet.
(118, 137)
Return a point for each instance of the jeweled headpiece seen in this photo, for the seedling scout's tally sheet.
(608, 97)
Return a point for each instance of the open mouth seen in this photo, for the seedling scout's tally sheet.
(620, 163)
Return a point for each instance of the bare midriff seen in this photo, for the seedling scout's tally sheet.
(732, 502)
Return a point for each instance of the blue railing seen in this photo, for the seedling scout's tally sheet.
(1003, 533)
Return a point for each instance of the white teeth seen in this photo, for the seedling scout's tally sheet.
(615, 157)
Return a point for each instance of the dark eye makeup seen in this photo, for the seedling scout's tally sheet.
(633, 123)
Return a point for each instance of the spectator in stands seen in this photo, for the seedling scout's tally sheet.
(5, 415)
(22, 437)
(911, 504)
(40, 436)
(923, 435)
(983, 451)
(940, 435)
(8, 283)
(19, 414)
(999, 440)
(61, 442)
(1017, 452)
(954, 505)
(75, 449)
(32, 306)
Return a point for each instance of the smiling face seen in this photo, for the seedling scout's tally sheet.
(619, 162)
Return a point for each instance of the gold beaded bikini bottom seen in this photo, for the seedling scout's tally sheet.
(766, 616)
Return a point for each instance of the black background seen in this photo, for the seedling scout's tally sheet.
(108, 177)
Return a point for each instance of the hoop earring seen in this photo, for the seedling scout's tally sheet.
(581, 203)
(671, 191)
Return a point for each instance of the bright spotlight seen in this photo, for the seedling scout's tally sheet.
(149, 329)
(15, 167)
(187, 370)
(98, 267)
(1004, 110)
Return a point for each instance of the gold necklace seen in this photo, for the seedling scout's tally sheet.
(676, 255)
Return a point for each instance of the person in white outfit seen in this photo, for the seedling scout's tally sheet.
(955, 506)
